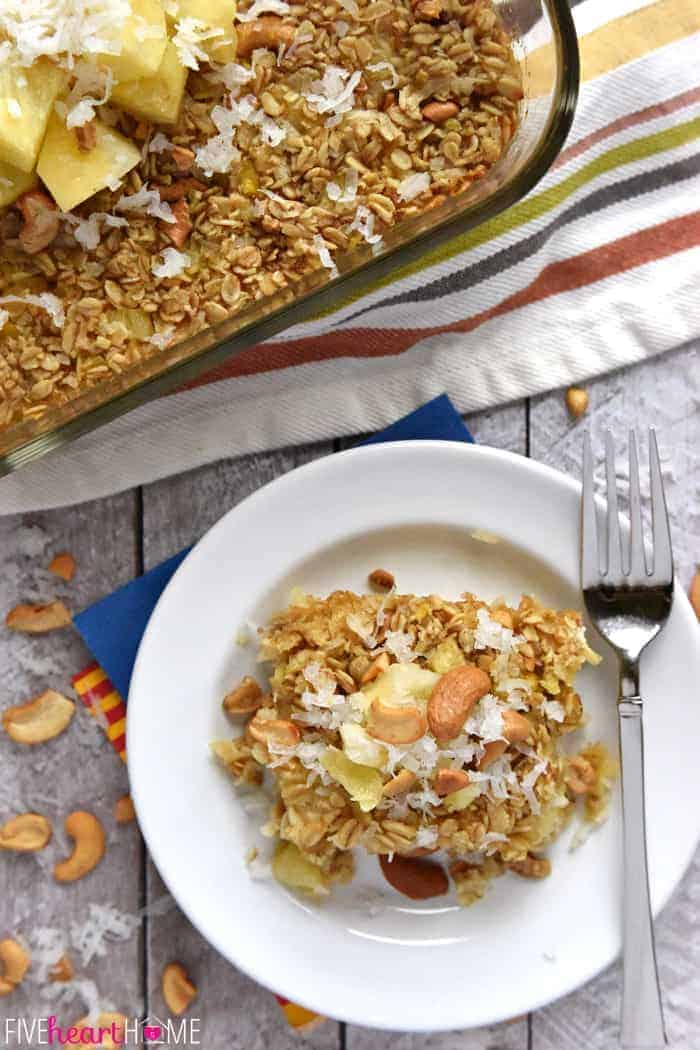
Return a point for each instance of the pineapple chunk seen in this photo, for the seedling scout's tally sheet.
(362, 783)
(219, 14)
(143, 38)
(293, 869)
(13, 183)
(401, 682)
(445, 656)
(459, 800)
(157, 98)
(26, 99)
(72, 175)
(360, 747)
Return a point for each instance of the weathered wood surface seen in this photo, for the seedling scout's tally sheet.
(112, 539)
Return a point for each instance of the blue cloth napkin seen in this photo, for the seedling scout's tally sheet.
(113, 627)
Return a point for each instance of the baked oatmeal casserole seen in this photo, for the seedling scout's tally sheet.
(402, 725)
(163, 163)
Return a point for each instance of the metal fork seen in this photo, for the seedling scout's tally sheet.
(628, 601)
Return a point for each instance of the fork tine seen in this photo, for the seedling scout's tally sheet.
(613, 570)
(590, 563)
(638, 565)
(663, 555)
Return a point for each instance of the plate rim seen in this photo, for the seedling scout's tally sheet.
(306, 470)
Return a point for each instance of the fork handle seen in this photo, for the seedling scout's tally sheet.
(642, 1013)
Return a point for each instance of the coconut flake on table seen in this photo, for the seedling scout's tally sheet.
(263, 7)
(554, 710)
(413, 185)
(61, 29)
(45, 301)
(364, 224)
(333, 94)
(173, 263)
(104, 924)
(348, 193)
(190, 34)
(147, 202)
(376, 67)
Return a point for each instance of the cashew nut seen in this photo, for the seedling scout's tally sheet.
(516, 728)
(40, 719)
(244, 700)
(381, 578)
(452, 699)
(395, 725)
(439, 112)
(448, 780)
(379, 665)
(415, 878)
(124, 812)
(576, 401)
(41, 221)
(182, 157)
(694, 593)
(15, 963)
(26, 833)
(179, 231)
(88, 850)
(178, 990)
(35, 619)
(276, 731)
(266, 31)
(62, 970)
(400, 784)
(63, 565)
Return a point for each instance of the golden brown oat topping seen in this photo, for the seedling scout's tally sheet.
(355, 758)
(364, 115)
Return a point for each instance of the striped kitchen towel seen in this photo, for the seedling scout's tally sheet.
(597, 268)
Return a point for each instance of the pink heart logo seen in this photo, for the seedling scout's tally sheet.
(151, 1032)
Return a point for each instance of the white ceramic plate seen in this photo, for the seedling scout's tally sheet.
(411, 507)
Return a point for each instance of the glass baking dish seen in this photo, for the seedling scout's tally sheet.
(545, 42)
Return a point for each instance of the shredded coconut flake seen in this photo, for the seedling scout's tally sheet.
(61, 29)
(45, 301)
(426, 838)
(334, 94)
(159, 143)
(400, 645)
(377, 67)
(351, 7)
(163, 338)
(232, 75)
(104, 924)
(190, 34)
(172, 264)
(364, 224)
(554, 709)
(4, 318)
(491, 635)
(341, 28)
(324, 255)
(147, 202)
(263, 7)
(349, 193)
(413, 185)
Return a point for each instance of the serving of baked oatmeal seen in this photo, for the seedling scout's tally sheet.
(163, 163)
(403, 725)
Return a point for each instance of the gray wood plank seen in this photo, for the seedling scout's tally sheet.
(79, 769)
(235, 1012)
(664, 393)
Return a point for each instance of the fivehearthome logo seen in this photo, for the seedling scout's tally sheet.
(147, 1032)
